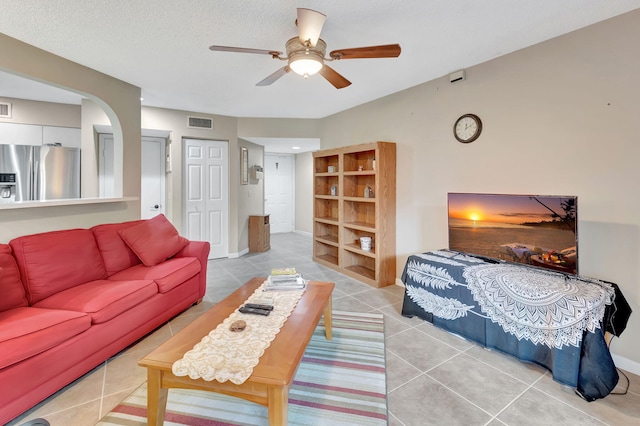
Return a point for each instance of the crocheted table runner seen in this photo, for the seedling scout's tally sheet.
(227, 355)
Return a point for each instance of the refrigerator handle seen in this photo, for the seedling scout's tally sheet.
(35, 180)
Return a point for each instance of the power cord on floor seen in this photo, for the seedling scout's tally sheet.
(628, 384)
(625, 376)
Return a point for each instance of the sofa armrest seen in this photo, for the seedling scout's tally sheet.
(199, 250)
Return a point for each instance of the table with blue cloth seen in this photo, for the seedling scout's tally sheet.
(549, 318)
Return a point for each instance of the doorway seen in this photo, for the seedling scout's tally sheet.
(152, 191)
(153, 177)
(205, 193)
(278, 191)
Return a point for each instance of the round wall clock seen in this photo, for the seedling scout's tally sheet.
(467, 128)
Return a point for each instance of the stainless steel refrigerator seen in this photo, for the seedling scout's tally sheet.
(40, 172)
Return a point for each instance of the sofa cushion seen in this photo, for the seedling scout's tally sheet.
(102, 299)
(11, 289)
(167, 275)
(28, 331)
(154, 240)
(55, 261)
(116, 253)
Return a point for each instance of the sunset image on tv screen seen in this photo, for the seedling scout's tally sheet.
(532, 229)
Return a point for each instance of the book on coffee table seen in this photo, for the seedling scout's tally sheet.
(283, 271)
(286, 282)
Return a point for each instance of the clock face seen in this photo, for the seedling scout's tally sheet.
(467, 128)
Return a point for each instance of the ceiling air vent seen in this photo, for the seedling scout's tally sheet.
(5, 110)
(200, 123)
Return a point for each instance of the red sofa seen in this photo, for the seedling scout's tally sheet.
(71, 299)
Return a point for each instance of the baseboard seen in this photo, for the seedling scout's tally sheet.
(236, 255)
(626, 364)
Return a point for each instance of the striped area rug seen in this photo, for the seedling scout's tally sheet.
(339, 382)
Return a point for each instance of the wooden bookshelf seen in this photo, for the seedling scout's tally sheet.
(355, 196)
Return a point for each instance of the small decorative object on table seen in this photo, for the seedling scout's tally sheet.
(238, 325)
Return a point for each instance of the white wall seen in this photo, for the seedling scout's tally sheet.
(304, 192)
(559, 118)
(250, 196)
(24, 111)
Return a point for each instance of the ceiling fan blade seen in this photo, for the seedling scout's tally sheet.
(244, 50)
(385, 51)
(310, 25)
(273, 77)
(332, 76)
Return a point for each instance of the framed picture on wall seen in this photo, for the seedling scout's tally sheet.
(244, 166)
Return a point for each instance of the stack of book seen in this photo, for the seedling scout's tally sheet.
(285, 279)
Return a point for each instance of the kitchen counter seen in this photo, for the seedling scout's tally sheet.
(64, 202)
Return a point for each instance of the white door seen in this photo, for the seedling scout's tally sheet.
(278, 191)
(152, 184)
(152, 192)
(206, 193)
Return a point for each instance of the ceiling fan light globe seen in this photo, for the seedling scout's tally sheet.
(305, 65)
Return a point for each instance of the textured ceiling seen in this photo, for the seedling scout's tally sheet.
(162, 45)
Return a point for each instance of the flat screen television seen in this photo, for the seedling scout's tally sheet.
(539, 230)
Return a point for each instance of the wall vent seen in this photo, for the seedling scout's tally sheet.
(200, 123)
(5, 110)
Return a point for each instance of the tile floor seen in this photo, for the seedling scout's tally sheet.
(432, 377)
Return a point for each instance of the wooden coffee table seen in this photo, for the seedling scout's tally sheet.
(269, 384)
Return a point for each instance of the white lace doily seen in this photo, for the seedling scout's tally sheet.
(543, 307)
(227, 355)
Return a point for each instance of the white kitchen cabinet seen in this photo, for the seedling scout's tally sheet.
(69, 137)
(20, 134)
(32, 134)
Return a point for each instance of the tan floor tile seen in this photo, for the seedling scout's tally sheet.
(395, 311)
(613, 409)
(393, 326)
(350, 304)
(524, 371)
(399, 371)
(534, 408)
(87, 388)
(87, 414)
(378, 298)
(109, 402)
(423, 401)
(124, 373)
(480, 384)
(420, 350)
(450, 339)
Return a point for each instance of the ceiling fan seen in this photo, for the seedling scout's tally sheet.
(306, 53)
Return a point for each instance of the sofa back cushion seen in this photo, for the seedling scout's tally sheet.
(116, 254)
(154, 240)
(11, 289)
(55, 261)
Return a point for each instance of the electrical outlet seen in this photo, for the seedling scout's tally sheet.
(249, 193)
